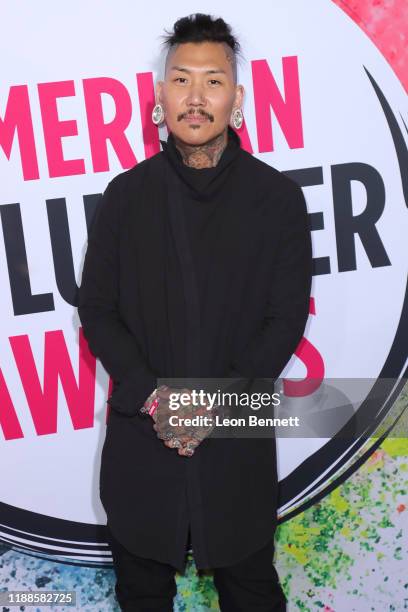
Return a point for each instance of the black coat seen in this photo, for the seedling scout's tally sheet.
(220, 293)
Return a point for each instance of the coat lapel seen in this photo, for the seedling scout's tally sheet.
(178, 244)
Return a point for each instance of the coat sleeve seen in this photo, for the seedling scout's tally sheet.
(108, 337)
(287, 307)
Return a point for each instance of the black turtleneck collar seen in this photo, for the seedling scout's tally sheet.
(201, 180)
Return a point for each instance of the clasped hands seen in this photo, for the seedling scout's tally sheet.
(183, 437)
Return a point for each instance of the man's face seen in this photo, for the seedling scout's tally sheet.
(198, 93)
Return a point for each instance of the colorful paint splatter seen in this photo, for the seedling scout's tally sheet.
(386, 23)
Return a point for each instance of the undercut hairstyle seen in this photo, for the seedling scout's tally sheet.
(197, 28)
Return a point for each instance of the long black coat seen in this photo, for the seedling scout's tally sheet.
(158, 301)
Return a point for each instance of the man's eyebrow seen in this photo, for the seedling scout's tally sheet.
(213, 71)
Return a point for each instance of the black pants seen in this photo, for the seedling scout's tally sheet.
(252, 585)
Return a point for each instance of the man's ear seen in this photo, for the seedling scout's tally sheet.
(239, 96)
(159, 92)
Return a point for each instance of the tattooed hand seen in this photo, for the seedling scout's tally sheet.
(185, 438)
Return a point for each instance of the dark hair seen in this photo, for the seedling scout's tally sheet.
(198, 28)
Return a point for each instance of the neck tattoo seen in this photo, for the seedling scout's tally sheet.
(203, 156)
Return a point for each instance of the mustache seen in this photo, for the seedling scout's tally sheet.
(193, 112)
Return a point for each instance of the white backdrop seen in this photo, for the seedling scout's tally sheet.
(310, 50)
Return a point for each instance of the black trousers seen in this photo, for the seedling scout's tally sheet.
(252, 585)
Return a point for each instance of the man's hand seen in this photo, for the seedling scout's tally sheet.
(185, 438)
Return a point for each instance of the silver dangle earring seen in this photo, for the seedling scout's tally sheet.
(237, 118)
(158, 114)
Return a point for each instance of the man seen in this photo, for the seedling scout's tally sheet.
(198, 266)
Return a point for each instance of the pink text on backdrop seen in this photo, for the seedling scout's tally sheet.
(16, 122)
